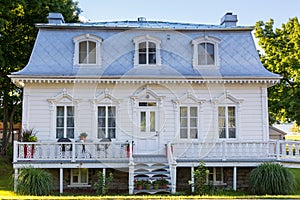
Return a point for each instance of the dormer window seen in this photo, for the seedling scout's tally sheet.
(147, 51)
(205, 51)
(87, 50)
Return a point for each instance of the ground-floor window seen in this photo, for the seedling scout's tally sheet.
(215, 176)
(79, 176)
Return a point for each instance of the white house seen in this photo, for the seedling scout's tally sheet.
(155, 98)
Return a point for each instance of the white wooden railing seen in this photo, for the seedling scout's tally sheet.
(225, 150)
(69, 151)
(234, 150)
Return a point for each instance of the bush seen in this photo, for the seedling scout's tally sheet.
(103, 183)
(272, 179)
(200, 174)
(33, 181)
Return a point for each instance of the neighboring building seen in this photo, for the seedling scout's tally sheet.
(155, 98)
(276, 133)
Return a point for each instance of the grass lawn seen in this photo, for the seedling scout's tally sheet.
(6, 190)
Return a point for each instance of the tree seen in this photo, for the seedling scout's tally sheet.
(17, 37)
(281, 55)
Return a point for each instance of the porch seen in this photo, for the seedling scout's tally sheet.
(62, 155)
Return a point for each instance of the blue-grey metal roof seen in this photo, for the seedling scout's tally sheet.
(53, 52)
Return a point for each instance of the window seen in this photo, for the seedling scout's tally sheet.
(64, 122)
(147, 51)
(227, 121)
(206, 54)
(188, 122)
(87, 50)
(215, 176)
(79, 176)
(205, 51)
(106, 122)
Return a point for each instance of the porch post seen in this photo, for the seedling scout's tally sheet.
(193, 179)
(61, 182)
(103, 177)
(234, 177)
(173, 178)
(15, 179)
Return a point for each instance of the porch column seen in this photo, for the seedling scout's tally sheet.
(131, 176)
(61, 180)
(173, 178)
(193, 179)
(234, 177)
(103, 177)
(16, 179)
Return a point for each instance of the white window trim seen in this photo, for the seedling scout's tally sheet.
(65, 119)
(105, 98)
(206, 39)
(214, 172)
(79, 184)
(226, 122)
(87, 37)
(62, 99)
(188, 121)
(106, 120)
(146, 38)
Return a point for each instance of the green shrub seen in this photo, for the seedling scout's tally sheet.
(272, 179)
(103, 183)
(33, 181)
(200, 174)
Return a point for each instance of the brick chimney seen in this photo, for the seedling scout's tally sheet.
(55, 18)
(229, 20)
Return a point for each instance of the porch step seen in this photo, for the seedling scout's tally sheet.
(149, 169)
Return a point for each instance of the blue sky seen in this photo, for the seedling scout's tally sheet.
(193, 11)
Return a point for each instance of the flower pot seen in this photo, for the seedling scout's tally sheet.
(139, 187)
(164, 186)
(28, 150)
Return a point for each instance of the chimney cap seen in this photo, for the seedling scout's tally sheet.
(55, 18)
(229, 20)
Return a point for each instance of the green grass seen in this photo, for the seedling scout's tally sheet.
(6, 190)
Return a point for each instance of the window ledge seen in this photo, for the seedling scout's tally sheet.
(86, 65)
(79, 185)
(206, 67)
(152, 66)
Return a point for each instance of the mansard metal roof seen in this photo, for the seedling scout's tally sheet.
(53, 52)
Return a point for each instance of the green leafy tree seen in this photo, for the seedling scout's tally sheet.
(17, 37)
(281, 55)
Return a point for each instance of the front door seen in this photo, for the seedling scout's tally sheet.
(147, 137)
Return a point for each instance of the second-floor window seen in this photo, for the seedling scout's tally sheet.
(227, 121)
(106, 122)
(147, 51)
(206, 54)
(205, 51)
(188, 122)
(65, 122)
(87, 52)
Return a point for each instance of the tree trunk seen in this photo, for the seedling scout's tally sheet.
(5, 125)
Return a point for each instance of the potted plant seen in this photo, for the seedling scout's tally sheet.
(138, 184)
(163, 183)
(156, 185)
(147, 184)
(28, 135)
(83, 136)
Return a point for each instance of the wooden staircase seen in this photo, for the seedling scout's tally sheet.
(150, 169)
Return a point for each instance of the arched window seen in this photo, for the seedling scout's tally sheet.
(87, 50)
(205, 51)
(147, 51)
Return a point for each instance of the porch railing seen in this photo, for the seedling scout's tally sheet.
(234, 150)
(69, 151)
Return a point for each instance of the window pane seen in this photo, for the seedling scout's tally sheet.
(218, 174)
(210, 54)
(152, 47)
(193, 133)
(152, 58)
(59, 111)
(183, 122)
(193, 122)
(83, 52)
(183, 111)
(59, 122)
(232, 132)
(222, 133)
(152, 121)
(111, 132)
(201, 54)
(92, 53)
(59, 132)
(193, 111)
(70, 111)
(142, 47)
(143, 122)
(70, 132)
(183, 133)
(101, 111)
(101, 133)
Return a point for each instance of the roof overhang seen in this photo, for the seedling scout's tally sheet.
(23, 80)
